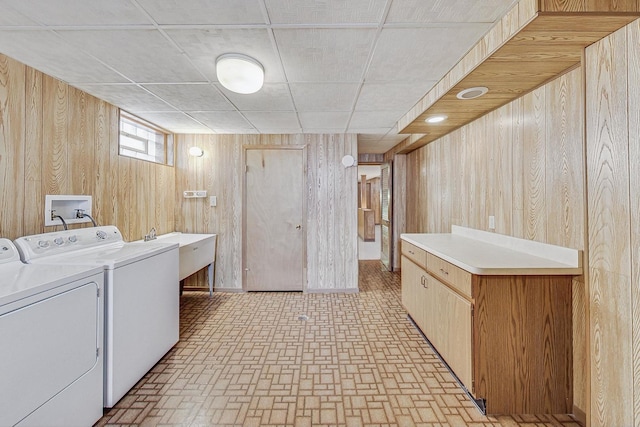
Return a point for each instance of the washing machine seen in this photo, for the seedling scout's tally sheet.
(51, 342)
(141, 296)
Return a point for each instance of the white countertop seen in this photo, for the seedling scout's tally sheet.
(484, 253)
(182, 239)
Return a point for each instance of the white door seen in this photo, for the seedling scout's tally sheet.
(274, 219)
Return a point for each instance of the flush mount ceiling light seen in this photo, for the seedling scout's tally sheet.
(239, 73)
(436, 119)
(472, 92)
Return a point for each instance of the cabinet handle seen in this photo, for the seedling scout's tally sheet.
(445, 272)
(423, 281)
(411, 252)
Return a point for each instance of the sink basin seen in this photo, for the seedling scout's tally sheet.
(196, 252)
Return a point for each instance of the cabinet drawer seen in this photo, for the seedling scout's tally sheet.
(414, 253)
(450, 274)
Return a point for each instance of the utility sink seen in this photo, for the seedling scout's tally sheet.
(197, 251)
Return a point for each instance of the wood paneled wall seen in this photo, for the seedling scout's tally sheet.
(332, 259)
(613, 177)
(55, 139)
(523, 164)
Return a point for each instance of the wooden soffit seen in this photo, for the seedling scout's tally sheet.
(534, 43)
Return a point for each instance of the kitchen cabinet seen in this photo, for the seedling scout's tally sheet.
(499, 317)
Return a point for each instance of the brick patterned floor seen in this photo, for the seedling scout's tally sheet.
(249, 359)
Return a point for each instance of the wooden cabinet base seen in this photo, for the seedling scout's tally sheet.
(522, 344)
(509, 341)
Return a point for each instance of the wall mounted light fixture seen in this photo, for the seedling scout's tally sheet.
(239, 73)
(196, 152)
(348, 161)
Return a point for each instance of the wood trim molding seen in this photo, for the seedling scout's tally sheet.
(532, 44)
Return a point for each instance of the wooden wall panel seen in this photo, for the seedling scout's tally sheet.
(400, 203)
(60, 140)
(564, 175)
(54, 135)
(517, 168)
(331, 204)
(608, 181)
(12, 137)
(534, 172)
(33, 191)
(375, 200)
(523, 164)
(633, 55)
(81, 142)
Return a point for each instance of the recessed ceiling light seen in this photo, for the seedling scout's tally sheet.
(472, 92)
(436, 119)
(239, 73)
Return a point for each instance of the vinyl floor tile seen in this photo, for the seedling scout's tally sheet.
(294, 359)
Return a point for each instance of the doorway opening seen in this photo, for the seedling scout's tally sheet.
(369, 212)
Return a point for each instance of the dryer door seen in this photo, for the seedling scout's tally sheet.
(46, 346)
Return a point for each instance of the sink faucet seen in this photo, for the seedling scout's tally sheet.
(151, 235)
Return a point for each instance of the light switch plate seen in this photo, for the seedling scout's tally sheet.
(213, 201)
(492, 222)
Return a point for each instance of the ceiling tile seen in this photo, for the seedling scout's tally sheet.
(46, 52)
(176, 122)
(374, 119)
(13, 18)
(127, 96)
(324, 96)
(325, 11)
(448, 11)
(80, 12)
(226, 12)
(391, 96)
(432, 52)
(191, 97)
(372, 129)
(272, 97)
(324, 120)
(144, 56)
(273, 122)
(223, 121)
(324, 55)
(204, 46)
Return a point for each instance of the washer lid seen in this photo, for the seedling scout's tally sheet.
(18, 280)
(111, 256)
(8, 252)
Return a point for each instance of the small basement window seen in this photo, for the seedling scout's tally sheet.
(145, 141)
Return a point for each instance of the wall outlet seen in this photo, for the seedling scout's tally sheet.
(213, 201)
(492, 222)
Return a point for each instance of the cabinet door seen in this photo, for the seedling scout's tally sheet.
(412, 290)
(449, 329)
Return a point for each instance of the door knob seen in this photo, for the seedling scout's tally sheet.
(298, 227)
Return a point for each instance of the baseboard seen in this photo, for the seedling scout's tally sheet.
(333, 291)
(203, 289)
(579, 415)
(229, 290)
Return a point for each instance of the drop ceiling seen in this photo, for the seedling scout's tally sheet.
(331, 66)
